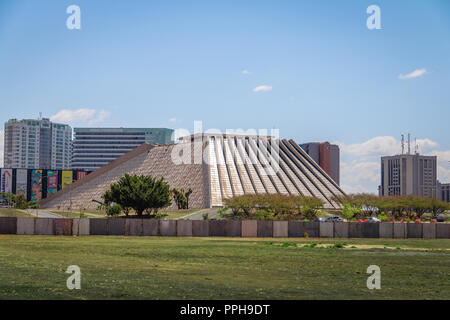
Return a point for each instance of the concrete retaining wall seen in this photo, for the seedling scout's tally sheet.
(168, 228)
(98, 227)
(326, 229)
(265, 229)
(249, 229)
(184, 228)
(44, 226)
(150, 227)
(295, 229)
(341, 230)
(80, 227)
(63, 227)
(386, 230)
(414, 230)
(233, 229)
(25, 226)
(8, 225)
(442, 231)
(280, 229)
(134, 227)
(221, 228)
(200, 228)
(311, 228)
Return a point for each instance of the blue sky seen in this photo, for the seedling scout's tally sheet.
(168, 63)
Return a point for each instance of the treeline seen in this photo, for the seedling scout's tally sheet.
(274, 206)
(360, 206)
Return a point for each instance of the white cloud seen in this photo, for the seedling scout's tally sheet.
(245, 71)
(360, 162)
(262, 88)
(91, 116)
(173, 120)
(415, 74)
(383, 145)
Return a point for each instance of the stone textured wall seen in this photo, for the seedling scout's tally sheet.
(147, 160)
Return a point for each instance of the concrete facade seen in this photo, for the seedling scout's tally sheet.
(280, 229)
(230, 167)
(95, 147)
(25, 226)
(409, 174)
(326, 229)
(249, 229)
(220, 228)
(31, 144)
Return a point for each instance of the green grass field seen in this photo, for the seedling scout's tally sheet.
(11, 212)
(33, 267)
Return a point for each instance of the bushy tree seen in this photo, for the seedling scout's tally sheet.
(181, 198)
(140, 193)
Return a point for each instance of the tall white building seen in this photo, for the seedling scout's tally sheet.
(37, 144)
(409, 174)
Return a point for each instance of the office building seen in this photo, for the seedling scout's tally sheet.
(37, 144)
(409, 174)
(444, 191)
(95, 147)
(326, 155)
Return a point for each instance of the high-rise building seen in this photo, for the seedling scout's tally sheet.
(95, 147)
(444, 192)
(37, 144)
(409, 174)
(326, 155)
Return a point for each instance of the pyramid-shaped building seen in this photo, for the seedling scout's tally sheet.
(215, 167)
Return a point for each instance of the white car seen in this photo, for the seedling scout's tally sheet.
(373, 219)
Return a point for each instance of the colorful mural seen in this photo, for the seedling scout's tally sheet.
(52, 182)
(7, 178)
(66, 178)
(22, 182)
(36, 185)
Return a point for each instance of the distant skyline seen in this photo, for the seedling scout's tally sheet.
(311, 69)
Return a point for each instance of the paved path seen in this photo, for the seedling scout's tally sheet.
(42, 214)
(212, 213)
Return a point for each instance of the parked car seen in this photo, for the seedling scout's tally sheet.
(373, 219)
(438, 218)
(320, 220)
(335, 218)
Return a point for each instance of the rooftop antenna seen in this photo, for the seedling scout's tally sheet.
(416, 146)
(409, 143)
(403, 144)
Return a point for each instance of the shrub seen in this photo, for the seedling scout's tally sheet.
(181, 198)
(113, 210)
(141, 193)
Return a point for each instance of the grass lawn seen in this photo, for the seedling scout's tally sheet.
(33, 267)
(11, 212)
(171, 214)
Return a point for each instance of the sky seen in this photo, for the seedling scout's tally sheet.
(312, 69)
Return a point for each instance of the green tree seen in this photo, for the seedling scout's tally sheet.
(140, 193)
(181, 198)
